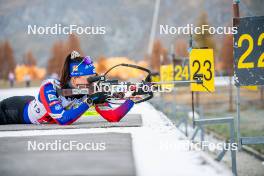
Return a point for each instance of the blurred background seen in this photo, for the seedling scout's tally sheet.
(25, 60)
(128, 26)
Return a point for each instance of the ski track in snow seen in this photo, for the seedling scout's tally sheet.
(156, 145)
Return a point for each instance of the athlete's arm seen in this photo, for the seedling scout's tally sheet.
(114, 114)
(49, 99)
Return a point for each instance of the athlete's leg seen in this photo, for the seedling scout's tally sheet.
(12, 109)
(2, 116)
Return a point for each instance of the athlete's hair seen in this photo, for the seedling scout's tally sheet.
(65, 71)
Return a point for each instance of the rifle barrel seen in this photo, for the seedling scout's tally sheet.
(174, 82)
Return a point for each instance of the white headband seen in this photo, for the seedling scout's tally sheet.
(75, 54)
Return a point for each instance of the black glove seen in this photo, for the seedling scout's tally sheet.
(98, 98)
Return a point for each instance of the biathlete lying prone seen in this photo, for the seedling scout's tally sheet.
(50, 107)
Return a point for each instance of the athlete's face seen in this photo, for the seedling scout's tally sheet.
(80, 80)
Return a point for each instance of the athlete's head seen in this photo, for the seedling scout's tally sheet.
(76, 70)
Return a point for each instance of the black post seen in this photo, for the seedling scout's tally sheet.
(230, 93)
(173, 58)
(261, 95)
(192, 93)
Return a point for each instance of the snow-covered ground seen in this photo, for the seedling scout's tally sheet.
(5, 93)
(159, 148)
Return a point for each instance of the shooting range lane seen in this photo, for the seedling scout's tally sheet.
(130, 120)
(115, 159)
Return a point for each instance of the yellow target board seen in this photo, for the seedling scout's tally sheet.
(249, 52)
(155, 78)
(252, 88)
(181, 72)
(202, 62)
(166, 74)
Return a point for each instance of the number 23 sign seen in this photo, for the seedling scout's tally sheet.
(202, 62)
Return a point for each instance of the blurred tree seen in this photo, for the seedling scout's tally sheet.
(57, 58)
(1, 60)
(155, 56)
(60, 50)
(165, 56)
(29, 59)
(226, 54)
(30, 62)
(159, 56)
(206, 39)
(73, 43)
(181, 48)
(7, 60)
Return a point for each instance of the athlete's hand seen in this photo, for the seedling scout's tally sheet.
(98, 98)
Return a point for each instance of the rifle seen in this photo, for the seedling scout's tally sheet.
(119, 91)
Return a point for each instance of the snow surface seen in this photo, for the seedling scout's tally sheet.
(5, 93)
(158, 145)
